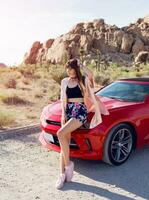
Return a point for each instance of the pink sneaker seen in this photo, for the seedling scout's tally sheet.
(60, 181)
(69, 171)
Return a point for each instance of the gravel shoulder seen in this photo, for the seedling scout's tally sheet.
(28, 171)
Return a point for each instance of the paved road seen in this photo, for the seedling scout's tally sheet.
(29, 171)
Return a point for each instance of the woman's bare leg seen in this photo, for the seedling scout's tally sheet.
(71, 125)
(69, 137)
(62, 163)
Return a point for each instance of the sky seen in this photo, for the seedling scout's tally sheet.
(23, 22)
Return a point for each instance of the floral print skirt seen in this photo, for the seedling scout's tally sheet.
(76, 110)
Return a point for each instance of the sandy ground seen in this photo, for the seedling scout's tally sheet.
(28, 171)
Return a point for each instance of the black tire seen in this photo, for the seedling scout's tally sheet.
(119, 144)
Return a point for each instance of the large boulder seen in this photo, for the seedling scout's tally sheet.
(127, 41)
(31, 56)
(86, 42)
(56, 52)
(98, 23)
(78, 28)
(137, 47)
(118, 35)
(48, 43)
(146, 19)
(142, 57)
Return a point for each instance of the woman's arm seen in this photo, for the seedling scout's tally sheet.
(91, 95)
(97, 104)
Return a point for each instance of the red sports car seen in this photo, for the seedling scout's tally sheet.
(121, 132)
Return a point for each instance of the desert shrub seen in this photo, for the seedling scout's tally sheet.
(37, 76)
(14, 100)
(102, 79)
(44, 90)
(26, 81)
(38, 93)
(31, 116)
(6, 118)
(53, 92)
(10, 83)
(57, 73)
(27, 73)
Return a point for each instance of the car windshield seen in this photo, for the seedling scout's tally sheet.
(125, 91)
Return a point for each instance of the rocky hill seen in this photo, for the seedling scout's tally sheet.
(121, 45)
(2, 65)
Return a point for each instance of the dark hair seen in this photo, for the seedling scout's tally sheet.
(73, 63)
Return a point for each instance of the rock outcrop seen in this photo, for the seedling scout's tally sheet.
(2, 65)
(115, 44)
(142, 57)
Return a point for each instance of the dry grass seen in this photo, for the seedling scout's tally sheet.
(11, 83)
(14, 100)
(6, 118)
(26, 81)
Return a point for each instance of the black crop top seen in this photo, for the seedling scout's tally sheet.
(74, 92)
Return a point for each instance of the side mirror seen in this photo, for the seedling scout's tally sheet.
(146, 100)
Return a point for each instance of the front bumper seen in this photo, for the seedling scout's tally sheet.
(85, 144)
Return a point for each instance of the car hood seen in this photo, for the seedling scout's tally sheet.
(55, 108)
(115, 103)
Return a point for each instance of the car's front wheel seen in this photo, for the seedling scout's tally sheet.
(118, 144)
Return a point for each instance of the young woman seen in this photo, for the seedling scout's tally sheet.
(77, 99)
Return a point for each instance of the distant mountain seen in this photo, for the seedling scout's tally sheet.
(121, 45)
(3, 65)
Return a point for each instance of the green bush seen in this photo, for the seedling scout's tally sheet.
(57, 73)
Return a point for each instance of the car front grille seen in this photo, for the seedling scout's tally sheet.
(53, 122)
(53, 139)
